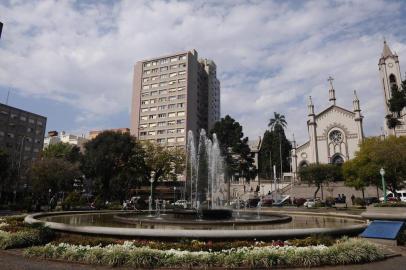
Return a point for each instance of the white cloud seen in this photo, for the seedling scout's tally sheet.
(270, 54)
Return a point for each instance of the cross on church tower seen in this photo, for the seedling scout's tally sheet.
(330, 80)
(331, 92)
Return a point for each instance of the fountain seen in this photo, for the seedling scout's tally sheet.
(207, 217)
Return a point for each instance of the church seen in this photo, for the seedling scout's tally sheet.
(389, 72)
(334, 134)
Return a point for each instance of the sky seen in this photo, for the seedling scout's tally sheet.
(72, 61)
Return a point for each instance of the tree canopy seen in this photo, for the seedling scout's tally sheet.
(62, 150)
(234, 148)
(112, 159)
(319, 174)
(274, 148)
(375, 153)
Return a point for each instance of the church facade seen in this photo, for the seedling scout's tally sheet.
(334, 134)
(389, 73)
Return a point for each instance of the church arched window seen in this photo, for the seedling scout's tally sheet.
(336, 136)
(303, 164)
(392, 81)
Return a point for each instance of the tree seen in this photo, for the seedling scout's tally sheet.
(113, 160)
(277, 121)
(374, 154)
(275, 148)
(167, 163)
(396, 104)
(53, 173)
(234, 148)
(65, 151)
(319, 174)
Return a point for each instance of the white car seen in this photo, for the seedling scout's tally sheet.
(399, 194)
(181, 203)
(310, 203)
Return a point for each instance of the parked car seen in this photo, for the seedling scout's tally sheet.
(267, 201)
(371, 200)
(310, 203)
(180, 204)
(400, 195)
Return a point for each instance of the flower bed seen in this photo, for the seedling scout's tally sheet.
(14, 234)
(129, 254)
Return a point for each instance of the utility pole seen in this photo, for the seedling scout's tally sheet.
(1, 28)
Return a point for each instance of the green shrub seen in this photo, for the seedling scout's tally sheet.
(359, 201)
(71, 201)
(28, 237)
(391, 204)
(313, 240)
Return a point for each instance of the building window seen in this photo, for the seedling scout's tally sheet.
(164, 76)
(23, 118)
(153, 109)
(163, 92)
(183, 72)
(144, 109)
(145, 87)
(161, 141)
(144, 118)
(152, 116)
(172, 114)
(171, 82)
(171, 131)
(143, 126)
(172, 74)
(151, 125)
(162, 107)
(181, 96)
(174, 66)
(143, 133)
(146, 72)
(151, 133)
(181, 88)
(161, 131)
(155, 70)
(182, 57)
(181, 105)
(171, 106)
(154, 93)
(164, 69)
(162, 115)
(172, 98)
(180, 121)
(152, 101)
(164, 61)
(180, 130)
(155, 85)
(171, 140)
(174, 59)
(145, 102)
(182, 65)
(171, 123)
(154, 78)
(145, 79)
(181, 113)
(162, 99)
(180, 139)
(336, 136)
(182, 80)
(163, 84)
(144, 94)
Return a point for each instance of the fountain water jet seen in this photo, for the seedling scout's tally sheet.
(205, 170)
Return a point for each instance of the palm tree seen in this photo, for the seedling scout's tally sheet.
(277, 120)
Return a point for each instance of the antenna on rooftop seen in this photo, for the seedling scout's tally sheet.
(8, 95)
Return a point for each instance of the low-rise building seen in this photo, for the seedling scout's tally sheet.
(54, 137)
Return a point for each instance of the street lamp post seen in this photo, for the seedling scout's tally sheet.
(382, 172)
(174, 194)
(151, 180)
(49, 199)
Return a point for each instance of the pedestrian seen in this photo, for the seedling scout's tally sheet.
(343, 198)
(338, 199)
(352, 199)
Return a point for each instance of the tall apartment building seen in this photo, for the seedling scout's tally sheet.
(173, 94)
(21, 135)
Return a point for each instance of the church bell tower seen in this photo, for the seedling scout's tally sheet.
(389, 73)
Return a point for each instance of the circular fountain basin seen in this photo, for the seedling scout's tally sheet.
(246, 226)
